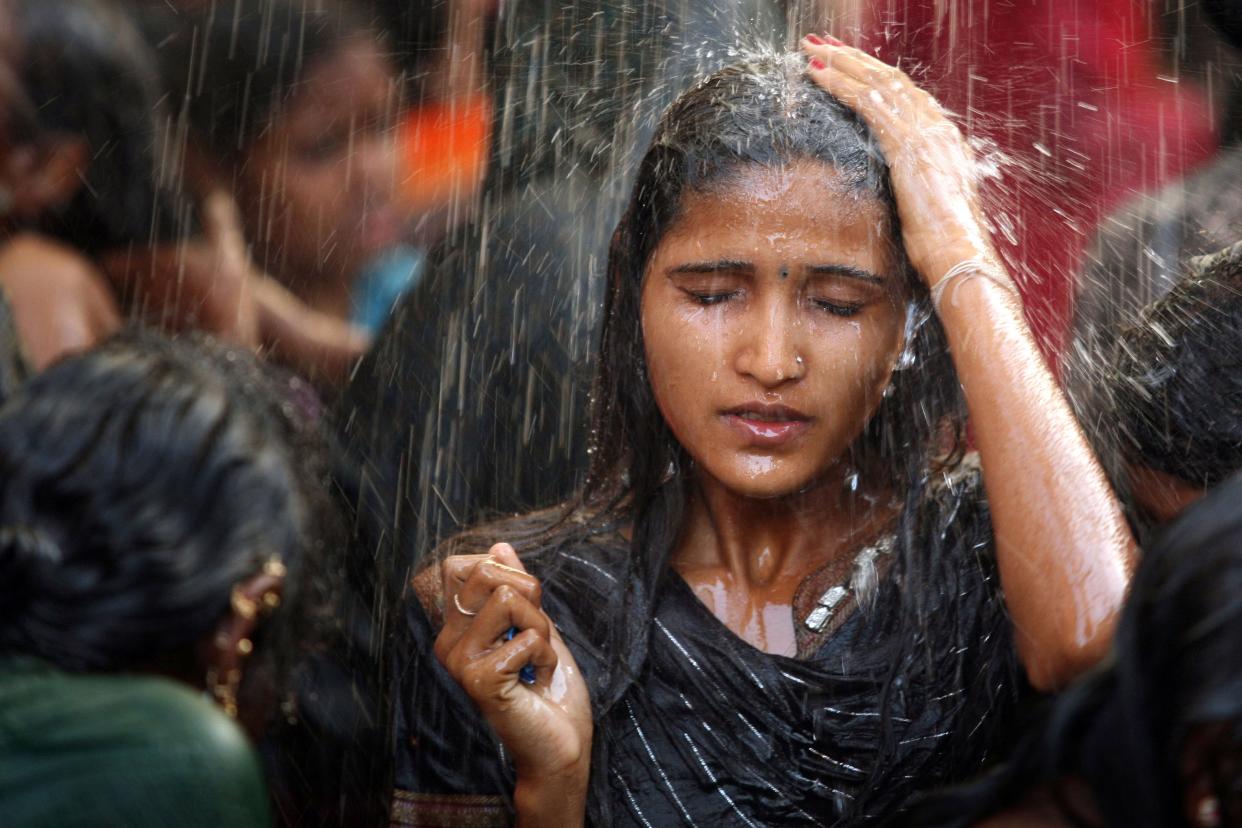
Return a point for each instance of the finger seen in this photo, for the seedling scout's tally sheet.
(505, 555)
(869, 104)
(470, 580)
(488, 575)
(506, 609)
(313, 344)
(493, 676)
(858, 64)
(221, 219)
(454, 572)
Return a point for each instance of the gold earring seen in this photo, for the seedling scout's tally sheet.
(243, 604)
(1207, 814)
(271, 600)
(274, 568)
(225, 692)
(245, 646)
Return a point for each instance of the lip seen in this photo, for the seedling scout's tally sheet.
(765, 425)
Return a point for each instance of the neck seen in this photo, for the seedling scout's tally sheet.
(746, 559)
(764, 543)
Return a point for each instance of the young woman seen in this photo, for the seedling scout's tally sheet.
(292, 108)
(778, 599)
(160, 524)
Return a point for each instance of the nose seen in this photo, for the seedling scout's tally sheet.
(374, 163)
(768, 346)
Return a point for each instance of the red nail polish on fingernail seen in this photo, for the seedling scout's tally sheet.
(816, 63)
(832, 41)
(816, 39)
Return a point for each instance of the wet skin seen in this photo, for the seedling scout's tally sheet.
(317, 190)
(773, 314)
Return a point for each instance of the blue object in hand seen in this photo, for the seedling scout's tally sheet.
(527, 674)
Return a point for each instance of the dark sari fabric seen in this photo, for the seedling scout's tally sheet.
(710, 731)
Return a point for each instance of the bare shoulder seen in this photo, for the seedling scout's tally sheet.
(61, 301)
(31, 252)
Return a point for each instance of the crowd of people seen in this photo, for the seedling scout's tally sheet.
(471, 413)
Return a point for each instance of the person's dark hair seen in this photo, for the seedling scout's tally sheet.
(86, 74)
(234, 68)
(140, 482)
(1176, 376)
(418, 29)
(1123, 730)
(765, 112)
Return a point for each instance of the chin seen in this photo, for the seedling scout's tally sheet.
(763, 478)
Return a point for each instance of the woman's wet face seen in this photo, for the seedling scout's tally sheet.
(773, 313)
(319, 185)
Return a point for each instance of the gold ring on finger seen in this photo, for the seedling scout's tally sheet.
(506, 568)
(461, 609)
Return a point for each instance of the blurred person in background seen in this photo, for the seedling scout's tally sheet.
(445, 132)
(91, 228)
(1152, 364)
(1153, 738)
(161, 526)
(290, 108)
(1070, 103)
(77, 166)
(1171, 381)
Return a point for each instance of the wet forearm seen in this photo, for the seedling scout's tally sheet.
(1064, 549)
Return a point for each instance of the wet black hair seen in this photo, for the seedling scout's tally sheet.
(1175, 669)
(140, 482)
(234, 66)
(87, 74)
(1175, 376)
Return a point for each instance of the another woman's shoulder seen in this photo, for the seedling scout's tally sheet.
(148, 746)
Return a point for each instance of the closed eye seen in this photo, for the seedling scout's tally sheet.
(714, 297)
(837, 308)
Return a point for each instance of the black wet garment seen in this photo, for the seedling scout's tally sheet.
(84, 750)
(712, 731)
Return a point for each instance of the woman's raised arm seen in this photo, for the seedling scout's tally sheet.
(1064, 550)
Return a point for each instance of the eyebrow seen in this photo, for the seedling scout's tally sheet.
(848, 271)
(714, 267)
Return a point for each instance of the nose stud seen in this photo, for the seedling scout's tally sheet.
(798, 359)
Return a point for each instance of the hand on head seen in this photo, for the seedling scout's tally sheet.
(931, 166)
